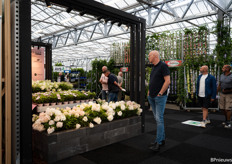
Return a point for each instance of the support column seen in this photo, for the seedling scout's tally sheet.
(48, 62)
(137, 63)
(142, 84)
(132, 61)
(25, 81)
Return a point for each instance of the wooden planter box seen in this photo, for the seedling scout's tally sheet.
(61, 145)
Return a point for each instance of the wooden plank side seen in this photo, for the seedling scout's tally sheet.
(7, 53)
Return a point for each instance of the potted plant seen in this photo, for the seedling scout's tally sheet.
(53, 99)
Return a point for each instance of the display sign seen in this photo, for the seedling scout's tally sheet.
(193, 123)
(173, 63)
(37, 63)
(124, 69)
(58, 68)
(67, 71)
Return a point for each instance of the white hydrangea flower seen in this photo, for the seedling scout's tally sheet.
(123, 107)
(62, 117)
(34, 118)
(51, 122)
(91, 125)
(78, 126)
(85, 119)
(45, 118)
(139, 111)
(91, 103)
(110, 117)
(38, 126)
(42, 87)
(113, 105)
(117, 103)
(59, 124)
(131, 107)
(105, 107)
(96, 107)
(50, 130)
(97, 120)
(57, 118)
(81, 113)
(76, 115)
(120, 113)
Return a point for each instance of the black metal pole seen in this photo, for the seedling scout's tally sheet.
(25, 81)
(142, 85)
(48, 49)
(137, 63)
(132, 61)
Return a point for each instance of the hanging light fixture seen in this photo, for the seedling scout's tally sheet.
(69, 10)
(119, 24)
(99, 18)
(113, 22)
(82, 13)
(106, 20)
(48, 3)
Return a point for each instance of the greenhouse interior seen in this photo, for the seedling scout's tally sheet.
(116, 81)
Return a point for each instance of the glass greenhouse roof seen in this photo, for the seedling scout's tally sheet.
(76, 37)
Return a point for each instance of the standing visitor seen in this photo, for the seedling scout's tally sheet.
(225, 101)
(113, 86)
(61, 76)
(157, 95)
(120, 81)
(66, 77)
(206, 92)
(104, 81)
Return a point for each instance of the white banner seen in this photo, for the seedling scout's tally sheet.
(58, 68)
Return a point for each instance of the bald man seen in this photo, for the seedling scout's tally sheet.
(206, 91)
(225, 88)
(104, 81)
(157, 96)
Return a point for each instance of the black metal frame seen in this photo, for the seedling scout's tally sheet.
(137, 63)
(48, 58)
(25, 81)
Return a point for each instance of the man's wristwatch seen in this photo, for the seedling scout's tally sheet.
(159, 94)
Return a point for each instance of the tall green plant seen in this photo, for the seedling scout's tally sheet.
(223, 48)
(97, 71)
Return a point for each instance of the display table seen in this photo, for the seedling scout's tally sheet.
(60, 145)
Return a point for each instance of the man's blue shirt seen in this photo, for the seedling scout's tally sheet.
(210, 86)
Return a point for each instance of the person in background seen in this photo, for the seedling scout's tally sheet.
(61, 76)
(104, 81)
(113, 86)
(225, 101)
(120, 81)
(206, 91)
(157, 96)
(66, 77)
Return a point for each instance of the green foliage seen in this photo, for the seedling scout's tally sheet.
(58, 64)
(65, 86)
(80, 70)
(96, 72)
(71, 95)
(223, 48)
(36, 89)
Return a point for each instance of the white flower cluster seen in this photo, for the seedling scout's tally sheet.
(54, 118)
(46, 85)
